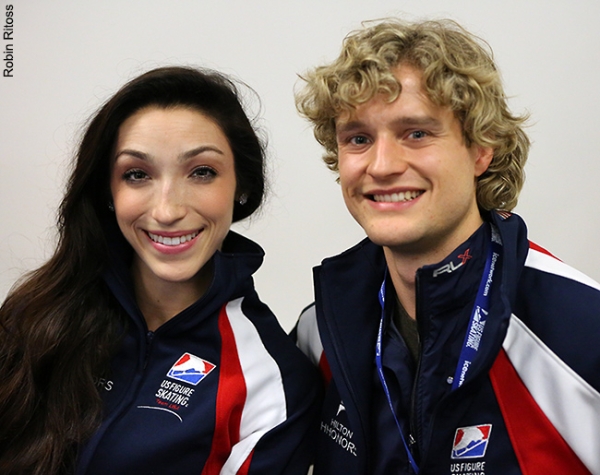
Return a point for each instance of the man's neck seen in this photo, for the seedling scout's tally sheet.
(402, 272)
(403, 266)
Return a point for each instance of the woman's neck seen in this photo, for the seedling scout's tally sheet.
(160, 300)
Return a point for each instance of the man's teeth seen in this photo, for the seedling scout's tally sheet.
(397, 197)
(172, 241)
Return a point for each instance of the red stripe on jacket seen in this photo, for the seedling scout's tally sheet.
(231, 395)
(537, 247)
(539, 448)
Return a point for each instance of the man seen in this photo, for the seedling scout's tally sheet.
(450, 344)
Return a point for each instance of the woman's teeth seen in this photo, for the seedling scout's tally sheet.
(172, 241)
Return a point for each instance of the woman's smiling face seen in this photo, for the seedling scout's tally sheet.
(173, 186)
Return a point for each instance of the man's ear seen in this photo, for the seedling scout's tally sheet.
(483, 158)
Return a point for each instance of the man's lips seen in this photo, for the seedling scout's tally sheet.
(399, 197)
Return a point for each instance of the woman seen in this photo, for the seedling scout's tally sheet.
(141, 345)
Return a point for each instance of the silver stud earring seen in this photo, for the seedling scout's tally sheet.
(243, 199)
(111, 206)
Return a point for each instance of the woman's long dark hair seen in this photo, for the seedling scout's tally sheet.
(59, 326)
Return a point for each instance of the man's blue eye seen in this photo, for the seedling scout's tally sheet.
(418, 134)
(359, 140)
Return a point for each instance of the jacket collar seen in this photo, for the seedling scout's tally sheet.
(451, 282)
(234, 265)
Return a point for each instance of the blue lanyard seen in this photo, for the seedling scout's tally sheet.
(479, 313)
(472, 338)
(411, 459)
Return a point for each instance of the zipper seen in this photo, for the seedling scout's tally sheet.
(413, 428)
(416, 427)
(149, 340)
(415, 432)
(127, 400)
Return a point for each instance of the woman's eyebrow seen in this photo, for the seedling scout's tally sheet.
(134, 153)
(199, 150)
(182, 157)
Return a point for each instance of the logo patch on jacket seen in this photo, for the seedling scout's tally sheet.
(339, 432)
(471, 442)
(451, 266)
(190, 369)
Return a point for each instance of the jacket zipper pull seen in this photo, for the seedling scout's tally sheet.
(412, 443)
(149, 339)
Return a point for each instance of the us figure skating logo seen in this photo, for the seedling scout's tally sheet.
(190, 369)
(471, 442)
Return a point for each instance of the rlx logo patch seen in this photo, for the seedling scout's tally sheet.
(451, 266)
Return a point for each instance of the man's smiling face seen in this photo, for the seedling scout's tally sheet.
(406, 173)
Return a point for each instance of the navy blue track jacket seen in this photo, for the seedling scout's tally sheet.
(530, 403)
(218, 389)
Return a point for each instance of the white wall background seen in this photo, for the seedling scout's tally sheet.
(70, 56)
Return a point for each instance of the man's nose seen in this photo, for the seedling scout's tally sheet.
(387, 158)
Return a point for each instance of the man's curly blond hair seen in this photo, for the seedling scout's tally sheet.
(458, 72)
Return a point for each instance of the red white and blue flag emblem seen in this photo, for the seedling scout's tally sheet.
(471, 442)
(190, 369)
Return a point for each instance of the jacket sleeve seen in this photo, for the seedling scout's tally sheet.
(268, 398)
(289, 447)
(546, 377)
(306, 335)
